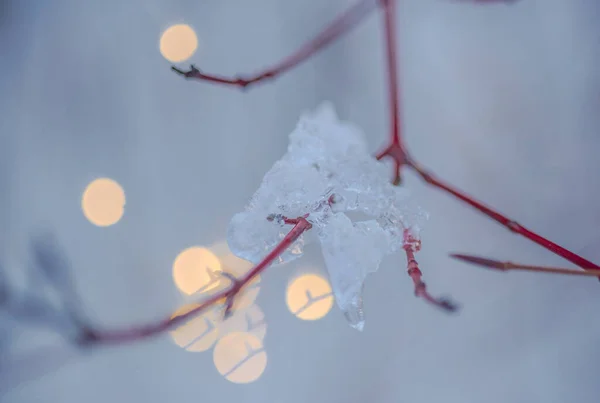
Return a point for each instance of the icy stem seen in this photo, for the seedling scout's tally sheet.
(328, 172)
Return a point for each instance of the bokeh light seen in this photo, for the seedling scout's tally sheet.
(309, 297)
(240, 357)
(103, 202)
(178, 43)
(197, 334)
(197, 270)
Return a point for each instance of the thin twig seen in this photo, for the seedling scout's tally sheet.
(339, 26)
(97, 336)
(504, 221)
(507, 266)
(412, 245)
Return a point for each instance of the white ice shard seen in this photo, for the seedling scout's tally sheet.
(329, 158)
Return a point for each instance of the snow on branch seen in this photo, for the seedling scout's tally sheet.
(326, 174)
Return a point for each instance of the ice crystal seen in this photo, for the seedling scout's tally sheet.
(328, 173)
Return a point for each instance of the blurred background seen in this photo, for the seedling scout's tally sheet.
(137, 171)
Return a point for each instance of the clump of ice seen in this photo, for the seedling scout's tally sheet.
(327, 160)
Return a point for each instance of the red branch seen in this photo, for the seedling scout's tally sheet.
(412, 245)
(342, 24)
(503, 220)
(94, 336)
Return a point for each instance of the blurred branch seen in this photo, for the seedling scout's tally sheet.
(16, 370)
(48, 273)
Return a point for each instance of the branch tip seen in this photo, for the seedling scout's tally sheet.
(448, 305)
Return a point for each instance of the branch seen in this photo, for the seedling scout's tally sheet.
(504, 221)
(411, 246)
(94, 336)
(507, 265)
(339, 26)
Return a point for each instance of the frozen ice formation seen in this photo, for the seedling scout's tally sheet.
(328, 173)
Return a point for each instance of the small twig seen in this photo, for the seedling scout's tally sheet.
(411, 246)
(339, 26)
(507, 266)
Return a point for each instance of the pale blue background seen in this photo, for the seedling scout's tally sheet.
(501, 101)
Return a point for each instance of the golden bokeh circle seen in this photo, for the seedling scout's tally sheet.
(240, 357)
(198, 333)
(178, 43)
(197, 270)
(103, 202)
(309, 297)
